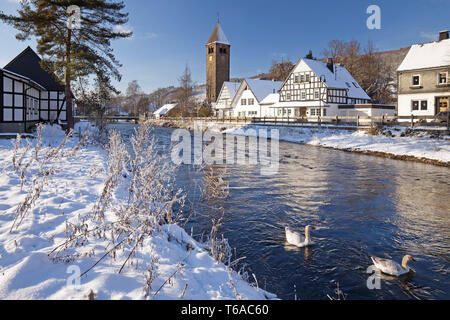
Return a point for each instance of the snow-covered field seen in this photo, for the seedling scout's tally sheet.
(419, 146)
(184, 269)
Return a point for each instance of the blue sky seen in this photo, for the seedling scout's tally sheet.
(169, 34)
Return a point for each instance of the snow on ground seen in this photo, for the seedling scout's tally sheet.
(26, 272)
(420, 146)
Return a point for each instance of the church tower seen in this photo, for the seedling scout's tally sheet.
(217, 63)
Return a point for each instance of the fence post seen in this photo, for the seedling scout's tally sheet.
(357, 120)
(337, 120)
(412, 121)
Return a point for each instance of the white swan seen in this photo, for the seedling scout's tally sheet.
(391, 267)
(296, 239)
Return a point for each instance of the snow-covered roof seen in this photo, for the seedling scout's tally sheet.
(262, 88)
(271, 99)
(340, 79)
(164, 109)
(218, 36)
(232, 87)
(427, 55)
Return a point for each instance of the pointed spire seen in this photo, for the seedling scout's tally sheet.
(218, 36)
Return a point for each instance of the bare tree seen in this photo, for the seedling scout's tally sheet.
(280, 70)
(185, 91)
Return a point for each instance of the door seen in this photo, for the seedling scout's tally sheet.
(442, 104)
(302, 112)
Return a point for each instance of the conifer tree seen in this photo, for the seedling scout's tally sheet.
(68, 51)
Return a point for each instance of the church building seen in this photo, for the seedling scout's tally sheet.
(217, 63)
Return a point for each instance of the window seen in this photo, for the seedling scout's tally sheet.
(317, 94)
(303, 95)
(308, 78)
(288, 96)
(7, 84)
(243, 102)
(348, 84)
(415, 105)
(424, 105)
(355, 84)
(442, 78)
(251, 102)
(416, 80)
(280, 112)
(302, 78)
(210, 50)
(313, 112)
(296, 79)
(324, 112)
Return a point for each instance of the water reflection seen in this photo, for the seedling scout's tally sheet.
(363, 206)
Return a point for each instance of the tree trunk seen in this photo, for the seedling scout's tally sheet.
(68, 91)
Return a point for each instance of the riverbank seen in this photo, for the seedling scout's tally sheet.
(396, 143)
(181, 268)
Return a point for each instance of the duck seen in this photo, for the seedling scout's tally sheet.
(391, 267)
(296, 239)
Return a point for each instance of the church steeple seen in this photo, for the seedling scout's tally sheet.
(217, 62)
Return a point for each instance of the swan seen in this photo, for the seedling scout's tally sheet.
(391, 267)
(296, 239)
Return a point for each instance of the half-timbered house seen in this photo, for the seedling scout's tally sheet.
(29, 94)
(222, 107)
(315, 88)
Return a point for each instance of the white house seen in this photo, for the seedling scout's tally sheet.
(315, 88)
(223, 106)
(164, 110)
(247, 101)
(423, 79)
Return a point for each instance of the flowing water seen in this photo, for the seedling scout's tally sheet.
(362, 205)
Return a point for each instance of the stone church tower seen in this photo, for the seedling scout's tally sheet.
(217, 63)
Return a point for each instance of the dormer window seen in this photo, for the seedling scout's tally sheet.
(415, 81)
(443, 78)
(355, 84)
(348, 84)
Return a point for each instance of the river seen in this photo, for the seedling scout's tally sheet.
(362, 205)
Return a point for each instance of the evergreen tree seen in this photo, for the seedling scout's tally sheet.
(69, 52)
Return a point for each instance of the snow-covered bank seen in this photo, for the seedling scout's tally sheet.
(398, 142)
(418, 146)
(183, 269)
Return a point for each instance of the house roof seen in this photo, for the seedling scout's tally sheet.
(340, 79)
(27, 64)
(34, 83)
(232, 87)
(427, 55)
(165, 109)
(218, 36)
(271, 99)
(262, 88)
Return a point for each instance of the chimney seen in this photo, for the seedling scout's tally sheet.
(443, 35)
(330, 64)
